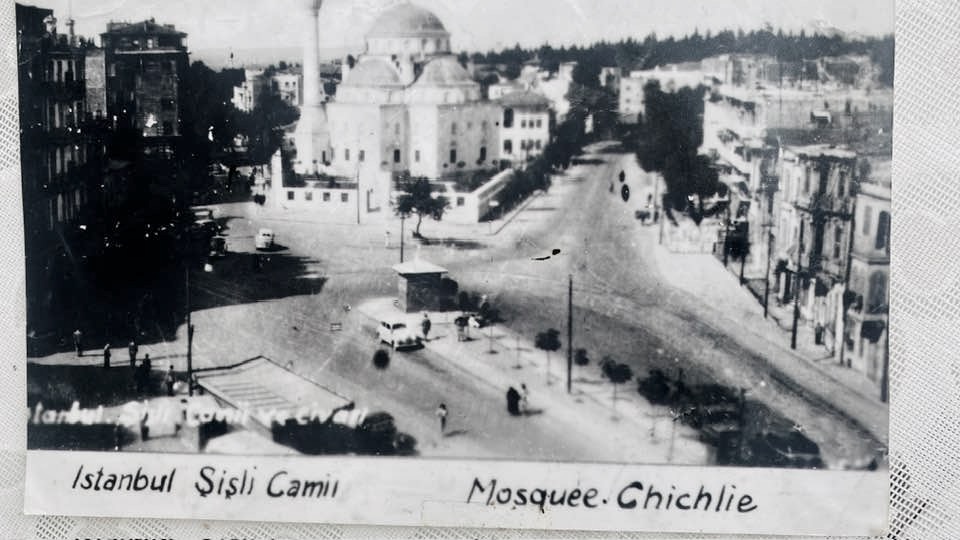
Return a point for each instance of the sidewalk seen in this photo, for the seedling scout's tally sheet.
(643, 433)
(734, 306)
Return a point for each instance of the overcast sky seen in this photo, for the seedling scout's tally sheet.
(475, 24)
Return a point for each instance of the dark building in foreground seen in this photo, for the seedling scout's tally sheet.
(141, 90)
(60, 159)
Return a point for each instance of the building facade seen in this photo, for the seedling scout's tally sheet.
(60, 161)
(863, 342)
(813, 212)
(145, 63)
(246, 94)
(525, 125)
(631, 101)
(405, 108)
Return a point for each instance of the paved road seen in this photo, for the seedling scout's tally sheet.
(625, 310)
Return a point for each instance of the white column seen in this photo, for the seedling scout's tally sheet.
(312, 95)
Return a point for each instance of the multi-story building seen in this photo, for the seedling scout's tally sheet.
(59, 160)
(812, 214)
(245, 95)
(862, 344)
(671, 78)
(288, 85)
(145, 63)
(525, 126)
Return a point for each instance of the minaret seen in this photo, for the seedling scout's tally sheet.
(312, 136)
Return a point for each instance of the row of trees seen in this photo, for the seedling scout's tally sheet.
(653, 51)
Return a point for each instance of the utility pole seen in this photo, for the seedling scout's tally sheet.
(402, 219)
(766, 286)
(189, 337)
(796, 289)
(570, 334)
(846, 278)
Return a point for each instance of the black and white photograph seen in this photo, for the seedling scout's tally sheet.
(650, 233)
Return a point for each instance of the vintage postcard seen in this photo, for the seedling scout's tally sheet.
(586, 265)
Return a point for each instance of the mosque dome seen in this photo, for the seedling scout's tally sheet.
(373, 71)
(444, 71)
(407, 20)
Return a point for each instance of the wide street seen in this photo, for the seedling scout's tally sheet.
(623, 308)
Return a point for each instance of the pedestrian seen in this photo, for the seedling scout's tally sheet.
(623, 176)
(513, 401)
(442, 415)
(169, 380)
(78, 341)
(147, 364)
(425, 325)
(132, 349)
(523, 397)
(106, 356)
(386, 239)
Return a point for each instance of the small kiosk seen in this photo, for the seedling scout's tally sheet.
(419, 285)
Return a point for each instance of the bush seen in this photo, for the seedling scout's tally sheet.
(381, 359)
(580, 357)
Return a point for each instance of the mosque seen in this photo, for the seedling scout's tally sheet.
(406, 105)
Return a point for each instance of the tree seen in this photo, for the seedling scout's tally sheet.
(580, 357)
(548, 341)
(417, 198)
(617, 372)
(381, 359)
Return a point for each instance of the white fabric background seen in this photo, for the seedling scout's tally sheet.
(925, 300)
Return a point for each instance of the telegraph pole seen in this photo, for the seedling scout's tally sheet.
(766, 288)
(796, 291)
(402, 219)
(189, 337)
(570, 333)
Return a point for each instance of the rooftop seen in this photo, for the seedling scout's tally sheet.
(418, 267)
(148, 26)
(525, 98)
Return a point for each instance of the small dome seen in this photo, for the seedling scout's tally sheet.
(407, 20)
(444, 71)
(373, 71)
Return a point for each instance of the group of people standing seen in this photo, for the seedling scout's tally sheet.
(141, 371)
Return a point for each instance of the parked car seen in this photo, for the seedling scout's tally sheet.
(264, 239)
(377, 434)
(397, 335)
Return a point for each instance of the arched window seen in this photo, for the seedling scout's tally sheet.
(877, 297)
(396, 155)
(883, 231)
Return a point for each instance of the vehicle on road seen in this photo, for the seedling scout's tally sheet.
(397, 335)
(218, 247)
(264, 239)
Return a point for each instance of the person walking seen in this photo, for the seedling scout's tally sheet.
(524, 393)
(386, 239)
(106, 356)
(78, 341)
(132, 350)
(513, 401)
(442, 415)
(169, 380)
(147, 364)
(425, 325)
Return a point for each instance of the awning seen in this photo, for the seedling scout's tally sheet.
(872, 330)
